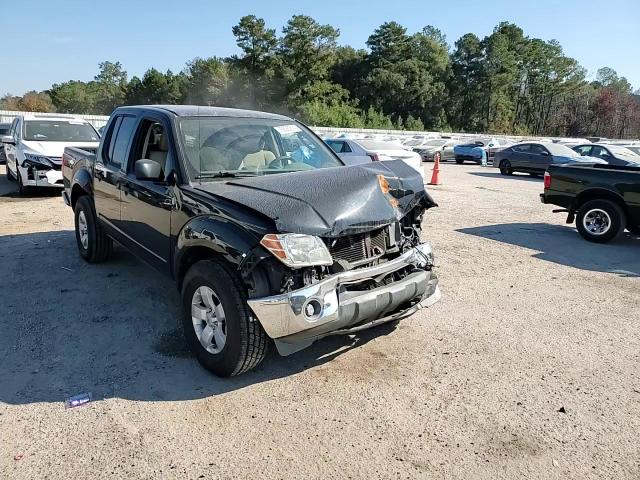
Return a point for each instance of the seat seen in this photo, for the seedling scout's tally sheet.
(160, 151)
(258, 160)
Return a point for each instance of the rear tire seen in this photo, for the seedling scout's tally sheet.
(600, 221)
(506, 168)
(243, 343)
(94, 245)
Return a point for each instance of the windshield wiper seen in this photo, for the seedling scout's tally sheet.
(223, 175)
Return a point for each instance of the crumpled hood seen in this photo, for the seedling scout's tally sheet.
(330, 202)
(55, 149)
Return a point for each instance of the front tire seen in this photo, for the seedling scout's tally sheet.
(506, 168)
(219, 327)
(8, 173)
(94, 245)
(600, 221)
(22, 189)
(459, 161)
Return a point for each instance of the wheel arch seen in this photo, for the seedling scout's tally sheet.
(598, 194)
(206, 238)
(82, 182)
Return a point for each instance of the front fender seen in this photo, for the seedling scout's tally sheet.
(223, 237)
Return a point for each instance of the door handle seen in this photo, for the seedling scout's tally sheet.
(100, 170)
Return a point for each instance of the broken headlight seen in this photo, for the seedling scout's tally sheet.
(296, 250)
(39, 162)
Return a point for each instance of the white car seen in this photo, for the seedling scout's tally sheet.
(35, 144)
(354, 152)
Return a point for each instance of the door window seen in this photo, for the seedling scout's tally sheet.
(602, 153)
(584, 150)
(14, 129)
(538, 150)
(119, 139)
(152, 143)
(522, 148)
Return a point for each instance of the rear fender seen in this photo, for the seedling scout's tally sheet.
(81, 184)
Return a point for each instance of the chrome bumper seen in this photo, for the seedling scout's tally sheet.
(300, 317)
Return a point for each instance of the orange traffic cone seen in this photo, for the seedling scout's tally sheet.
(435, 176)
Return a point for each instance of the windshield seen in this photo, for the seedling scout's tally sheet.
(227, 147)
(59, 131)
(435, 143)
(560, 150)
(414, 143)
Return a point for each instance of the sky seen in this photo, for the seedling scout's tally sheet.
(55, 41)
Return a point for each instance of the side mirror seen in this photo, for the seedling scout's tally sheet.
(545, 154)
(146, 169)
(8, 139)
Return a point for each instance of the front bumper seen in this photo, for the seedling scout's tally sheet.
(340, 310)
(32, 177)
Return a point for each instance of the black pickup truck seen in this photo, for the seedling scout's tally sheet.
(603, 200)
(266, 233)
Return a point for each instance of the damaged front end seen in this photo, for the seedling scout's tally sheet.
(378, 276)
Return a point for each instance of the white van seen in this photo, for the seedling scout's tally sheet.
(34, 146)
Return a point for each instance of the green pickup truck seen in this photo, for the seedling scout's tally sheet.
(603, 200)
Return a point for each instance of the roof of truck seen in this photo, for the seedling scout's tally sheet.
(199, 111)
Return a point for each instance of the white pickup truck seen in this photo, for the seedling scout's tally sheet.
(34, 146)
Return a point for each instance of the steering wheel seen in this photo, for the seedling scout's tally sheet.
(280, 162)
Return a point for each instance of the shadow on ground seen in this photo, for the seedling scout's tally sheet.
(110, 329)
(563, 245)
(515, 176)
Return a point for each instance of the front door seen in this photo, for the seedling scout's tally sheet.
(539, 159)
(109, 171)
(147, 203)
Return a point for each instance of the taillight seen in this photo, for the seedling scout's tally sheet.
(547, 180)
(374, 157)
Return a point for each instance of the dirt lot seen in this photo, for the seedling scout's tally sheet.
(527, 368)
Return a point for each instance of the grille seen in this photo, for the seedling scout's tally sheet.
(359, 247)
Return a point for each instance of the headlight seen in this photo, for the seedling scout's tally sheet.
(296, 251)
(37, 161)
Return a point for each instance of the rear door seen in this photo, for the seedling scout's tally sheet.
(520, 156)
(147, 203)
(109, 171)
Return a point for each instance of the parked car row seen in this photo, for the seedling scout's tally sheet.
(535, 158)
(355, 152)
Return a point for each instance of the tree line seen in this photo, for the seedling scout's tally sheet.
(505, 83)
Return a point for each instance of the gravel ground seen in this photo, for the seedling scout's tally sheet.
(527, 368)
